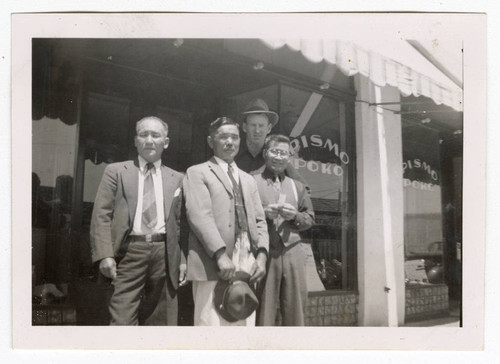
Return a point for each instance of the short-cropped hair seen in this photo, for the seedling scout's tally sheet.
(155, 118)
(275, 138)
(217, 123)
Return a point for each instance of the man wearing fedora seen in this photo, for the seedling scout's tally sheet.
(289, 211)
(257, 124)
(228, 239)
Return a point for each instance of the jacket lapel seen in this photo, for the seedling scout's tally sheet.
(214, 166)
(244, 191)
(168, 190)
(130, 180)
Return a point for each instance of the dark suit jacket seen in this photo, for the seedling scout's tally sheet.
(114, 211)
(210, 213)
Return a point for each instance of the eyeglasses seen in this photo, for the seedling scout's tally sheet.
(279, 152)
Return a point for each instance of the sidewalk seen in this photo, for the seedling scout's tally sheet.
(450, 321)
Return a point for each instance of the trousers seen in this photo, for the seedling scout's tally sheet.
(143, 293)
(284, 287)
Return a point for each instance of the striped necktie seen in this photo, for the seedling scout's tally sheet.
(149, 217)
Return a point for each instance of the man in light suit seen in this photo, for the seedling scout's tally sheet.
(134, 232)
(228, 230)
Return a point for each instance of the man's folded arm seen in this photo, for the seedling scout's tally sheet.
(304, 219)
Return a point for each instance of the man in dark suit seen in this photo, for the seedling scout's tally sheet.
(228, 230)
(288, 210)
(134, 232)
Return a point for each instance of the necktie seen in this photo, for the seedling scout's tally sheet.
(238, 203)
(277, 184)
(149, 217)
(281, 200)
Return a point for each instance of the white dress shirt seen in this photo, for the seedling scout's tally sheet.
(158, 186)
(224, 165)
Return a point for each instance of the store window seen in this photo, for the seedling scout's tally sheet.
(54, 142)
(422, 204)
(321, 131)
(53, 157)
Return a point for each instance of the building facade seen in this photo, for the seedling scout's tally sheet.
(381, 152)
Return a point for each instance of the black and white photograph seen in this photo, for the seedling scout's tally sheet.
(189, 179)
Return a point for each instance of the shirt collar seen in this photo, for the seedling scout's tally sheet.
(224, 164)
(143, 162)
(267, 174)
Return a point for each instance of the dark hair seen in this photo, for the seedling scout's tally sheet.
(275, 138)
(217, 123)
(138, 124)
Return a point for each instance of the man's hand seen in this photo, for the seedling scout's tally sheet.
(107, 266)
(272, 211)
(182, 274)
(258, 269)
(226, 267)
(288, 212)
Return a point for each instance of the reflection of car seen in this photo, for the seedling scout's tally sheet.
(432, 258)
(423, 271)
(330, 273)
(326, 245)
(436, 274)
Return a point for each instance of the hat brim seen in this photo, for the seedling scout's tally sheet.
(273, 117)
(219, 290)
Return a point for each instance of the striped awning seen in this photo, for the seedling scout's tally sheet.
(394, 63)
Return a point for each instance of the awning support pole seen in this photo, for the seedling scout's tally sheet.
(390, 287)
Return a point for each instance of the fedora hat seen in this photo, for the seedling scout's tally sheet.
(259, 106)
(235, 300)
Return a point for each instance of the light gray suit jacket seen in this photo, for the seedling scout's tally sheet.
(210, 212)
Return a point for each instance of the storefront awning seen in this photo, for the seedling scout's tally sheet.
(393, 63)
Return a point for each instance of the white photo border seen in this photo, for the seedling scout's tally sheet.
(143, 25)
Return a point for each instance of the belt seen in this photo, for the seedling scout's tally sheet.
(148, 238)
